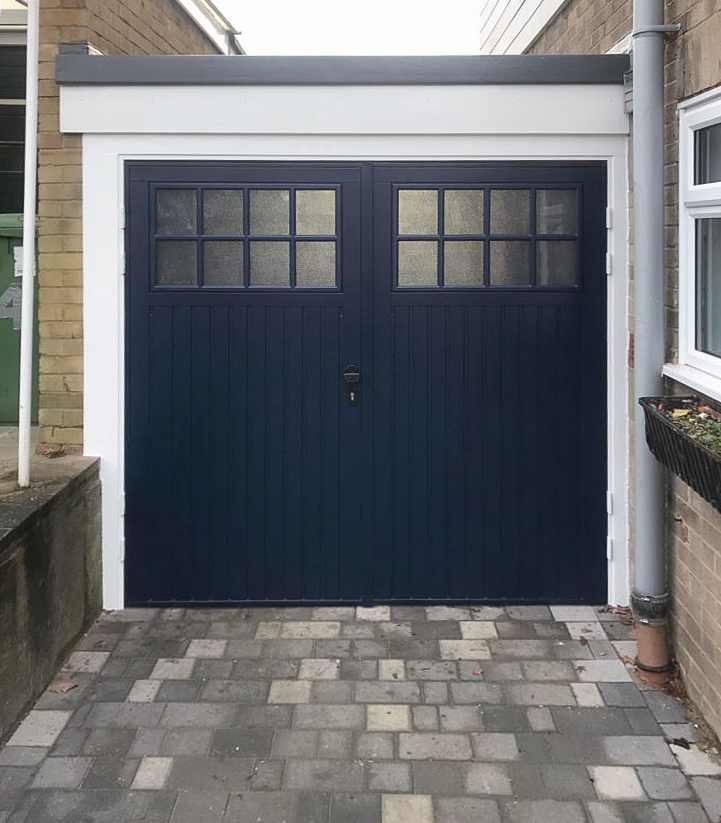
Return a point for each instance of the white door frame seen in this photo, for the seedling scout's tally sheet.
(104, 157)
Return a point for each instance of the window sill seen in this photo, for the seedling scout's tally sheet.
(695, 379)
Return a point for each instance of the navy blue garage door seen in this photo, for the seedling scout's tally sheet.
(365, 382)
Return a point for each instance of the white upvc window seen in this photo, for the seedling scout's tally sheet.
(700, 244)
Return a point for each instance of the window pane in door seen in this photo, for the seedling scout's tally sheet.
(417, 263)
(176, 211)
(463, 211)
(510, 263)
(510, 211)
(556, 263)
(269, 211)
(176, 262)
(417, 211)
(708, 286)
(222, 211)
(315, 211)
(223, 263)
(270, 264)
(463, 262)
(708, 155)
(315, 265)
(556, 211)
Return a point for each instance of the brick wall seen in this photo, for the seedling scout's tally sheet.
(114, 27)
(692, 65)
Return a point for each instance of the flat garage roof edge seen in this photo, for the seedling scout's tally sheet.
(171, 70)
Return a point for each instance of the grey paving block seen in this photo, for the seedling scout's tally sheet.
(264, 670)
(425, 718)
(495, 746)
(147, 743)
(359, 669)
(498, 671)
(634, 750)
(688, 813)
(432, 670)
(569, 748)
(194, 806)
(389, 777)
(665, 708)
(664, 784)
(567, 782)
(69, 742)
(642, 721)
(267, 775)
(529, 613)
(374, 746)
(526, 780)
(646, 813)
(280, 649)
(436, 630)
(518, 630)
(431, 746)
(488, 778)
(388, 691)
(178, 742)
(210, 774)
(329, 717)
(248, 742)
(324, 775)
(110, 773)
(276, 716)
(108, 742)
(626, 695)
(23, 756)
(294, 743)
(204, 715)
(540, 694)
(461, 718)
(234, 691)
(355, 808)
(435, 693)
(466, 692)
(708, 790)
(414, 649)
(62, 773)
(543, 811)
(106, 805)
(124, 715)
(440, 778)
(312, 807)
(590, 721)
(334, 744)
(466, 810)
(505, 719)
(331, 691)
(520, 649)
(540, 670)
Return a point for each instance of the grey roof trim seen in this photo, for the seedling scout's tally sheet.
(155, 70)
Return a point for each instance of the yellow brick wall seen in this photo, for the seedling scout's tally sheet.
(114, 27)
(692, 65)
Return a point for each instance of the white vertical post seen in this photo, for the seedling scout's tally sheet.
(28, 279)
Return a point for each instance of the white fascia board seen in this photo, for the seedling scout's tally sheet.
(566, 109)
(521, 25)
(220, 38)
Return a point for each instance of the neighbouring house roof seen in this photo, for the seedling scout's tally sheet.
(83, 69)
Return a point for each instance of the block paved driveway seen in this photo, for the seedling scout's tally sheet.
(344, 715)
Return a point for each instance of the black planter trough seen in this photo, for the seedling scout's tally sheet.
(690, 460)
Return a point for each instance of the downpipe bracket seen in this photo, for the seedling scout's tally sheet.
(666, 28)
(650, 609)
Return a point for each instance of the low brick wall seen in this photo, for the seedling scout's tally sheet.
(50, 580)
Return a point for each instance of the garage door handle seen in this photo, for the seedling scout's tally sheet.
(351, 377)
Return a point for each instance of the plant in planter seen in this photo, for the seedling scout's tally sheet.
(685, 435)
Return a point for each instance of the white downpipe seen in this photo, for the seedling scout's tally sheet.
(28, 279)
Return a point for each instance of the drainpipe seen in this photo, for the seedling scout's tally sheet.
(29, 207)
(650, 597)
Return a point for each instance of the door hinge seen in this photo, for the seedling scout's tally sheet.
(122, 504)
(609, 548)
(608, 262)
(122, 549)
(609, 503)
(608, 217)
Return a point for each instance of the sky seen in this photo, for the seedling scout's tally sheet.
(368, 27)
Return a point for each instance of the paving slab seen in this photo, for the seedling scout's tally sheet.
(338, 714)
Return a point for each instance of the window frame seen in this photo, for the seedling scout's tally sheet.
(697, 201)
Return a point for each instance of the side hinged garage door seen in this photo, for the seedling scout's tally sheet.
(358, 382)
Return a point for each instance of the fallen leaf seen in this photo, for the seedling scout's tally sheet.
(629, 661)
(681, 742)
(478, 672)
(583, 641)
